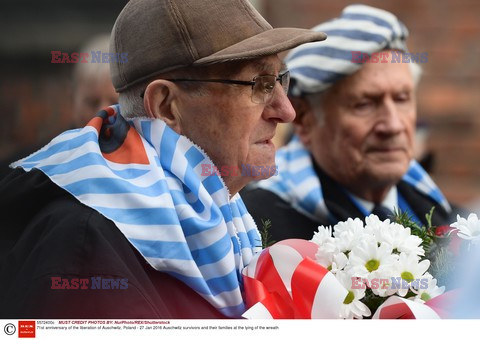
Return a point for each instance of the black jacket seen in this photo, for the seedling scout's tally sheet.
(46, 233)
(287, 222)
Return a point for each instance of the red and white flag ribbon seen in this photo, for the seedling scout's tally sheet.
(285, 282)
(396, 307)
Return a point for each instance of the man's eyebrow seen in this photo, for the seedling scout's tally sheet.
(262, 66)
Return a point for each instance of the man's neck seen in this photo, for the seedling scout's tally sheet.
(374, 195)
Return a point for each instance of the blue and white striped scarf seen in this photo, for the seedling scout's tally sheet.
(316, 66)
(298, 183)
(151, 187)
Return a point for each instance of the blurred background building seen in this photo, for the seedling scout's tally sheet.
(36, 95)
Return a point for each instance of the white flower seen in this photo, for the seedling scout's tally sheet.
(367, 257)
(334, 262)
(328, 254)
(352, 306)
(468, 229)
(373, 225)
(348, 234)
(339, 262)
(352, 226)
(384, 281)
(428, 289)
(400, 239)
(323, 235)
(347, 241)
(410, 271)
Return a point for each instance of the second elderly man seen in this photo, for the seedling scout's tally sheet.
(353, 150)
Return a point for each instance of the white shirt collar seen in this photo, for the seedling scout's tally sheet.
(390, 201)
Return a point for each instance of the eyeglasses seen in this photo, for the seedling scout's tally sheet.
(262, 86)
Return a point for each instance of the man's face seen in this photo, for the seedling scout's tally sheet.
(366, 138)
(233, 130)
(93, 92)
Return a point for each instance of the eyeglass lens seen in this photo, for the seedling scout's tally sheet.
(264, 87)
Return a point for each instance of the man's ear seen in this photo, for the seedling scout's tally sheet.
(159, 102)
(305, 119)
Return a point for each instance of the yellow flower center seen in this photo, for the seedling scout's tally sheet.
(349, 298)
(372, 265)
(425, 297)
(407, 276)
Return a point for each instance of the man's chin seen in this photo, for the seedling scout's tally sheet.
(258, 172)
(388, 174)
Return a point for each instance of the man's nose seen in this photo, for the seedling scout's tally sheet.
(280, 107)
(390, 118)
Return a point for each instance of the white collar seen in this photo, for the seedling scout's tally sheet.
(390, 201)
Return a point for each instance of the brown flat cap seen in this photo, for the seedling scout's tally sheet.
(163, 35)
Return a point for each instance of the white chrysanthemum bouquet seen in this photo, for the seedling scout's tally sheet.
(374, 261)
(356, 269)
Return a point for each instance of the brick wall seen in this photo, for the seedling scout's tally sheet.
(35, 95)
(35, 104)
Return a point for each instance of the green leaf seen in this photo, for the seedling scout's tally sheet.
(264, 233)
(426, 233)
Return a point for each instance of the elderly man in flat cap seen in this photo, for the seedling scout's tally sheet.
(352, 154)
(119, 219)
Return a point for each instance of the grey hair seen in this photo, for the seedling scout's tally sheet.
(131, 101)
(417, 72)
(92, 70)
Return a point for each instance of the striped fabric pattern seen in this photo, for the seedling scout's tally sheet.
(298, 184)
(285, 282)
(316, 66)
(147, 179)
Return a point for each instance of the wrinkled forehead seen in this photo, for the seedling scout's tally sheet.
(375, 78)
(266, 65)
(271, 63)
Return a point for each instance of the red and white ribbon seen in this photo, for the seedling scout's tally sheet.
(399, 308)
(285, 282)
(396, 307)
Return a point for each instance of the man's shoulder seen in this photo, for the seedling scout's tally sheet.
(264, 203)
(56, 231)
(421, 204)
(62, 242)
(34, 207)
(286, 221)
